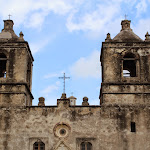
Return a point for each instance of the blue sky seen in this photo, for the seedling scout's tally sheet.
(66, 35)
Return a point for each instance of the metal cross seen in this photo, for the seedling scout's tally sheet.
(64, 78)
(126, 17)
(72, 93)
(9, 16)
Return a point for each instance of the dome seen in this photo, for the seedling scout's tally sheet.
(8, 32)
(72, 97)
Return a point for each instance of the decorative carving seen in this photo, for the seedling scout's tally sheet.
(62, 146)
(62, 130)
(147, 37)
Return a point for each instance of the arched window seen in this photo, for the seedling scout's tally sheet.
(86, 146)
(82, 146)
(39, 146)
(3, 61)
(129, 65)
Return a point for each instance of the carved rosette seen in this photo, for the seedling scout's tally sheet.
(61, 130)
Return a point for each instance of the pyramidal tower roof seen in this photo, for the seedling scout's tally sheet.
(126, 34)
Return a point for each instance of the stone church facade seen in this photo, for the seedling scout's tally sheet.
(120, 122)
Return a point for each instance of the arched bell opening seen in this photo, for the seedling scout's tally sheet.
(3, 62)
(129, 65)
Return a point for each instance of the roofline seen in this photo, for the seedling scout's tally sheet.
(127, 42)
(10, 41)
(49, 106)
(28, 48)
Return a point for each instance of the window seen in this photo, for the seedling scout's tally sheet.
(86, 146)
(39, 146)
(133, 127)
(3, 61)
(129, 65)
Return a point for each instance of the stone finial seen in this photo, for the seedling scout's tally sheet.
(21, 36)
(41, 101)
(147, 37)
(108, 38)
(126, 25)
(63, 96)
(85, 101)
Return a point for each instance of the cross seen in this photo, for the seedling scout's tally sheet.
(72, 93)
(9, 16)
(125, 17)
(64, 78)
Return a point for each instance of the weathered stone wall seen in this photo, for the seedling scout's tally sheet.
(112, 54)
(106, 127)
(117, 89)
(126, 94)
(15, 88)
(17, 61)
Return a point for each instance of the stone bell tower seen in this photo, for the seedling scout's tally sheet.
(16, 63)
(125, 62)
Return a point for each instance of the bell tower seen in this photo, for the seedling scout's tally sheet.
(16, 63)
(125, 62)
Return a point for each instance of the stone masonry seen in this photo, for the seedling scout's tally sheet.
(120, 122)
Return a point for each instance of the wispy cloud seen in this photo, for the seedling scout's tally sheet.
(36, 20)
(38, 46)
(105, 15)
(141, 7)
(142, 27)
(32, 13)
(81, 15)
(51, 88)
(87, 66)
(52, 75)
(49, 93)
(95, 20)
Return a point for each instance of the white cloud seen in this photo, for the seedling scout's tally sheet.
(51, 88)
(18, 9)
(81, 15)
(36, 20)
(141, 7)
(105, 16)
(49, 93)
(142, 27)
(37, 46)
(60, 7)
(32, 13)
(95, 22)
(87, 66)
(51, 75)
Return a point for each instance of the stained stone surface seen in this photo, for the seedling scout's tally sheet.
(106, 126)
